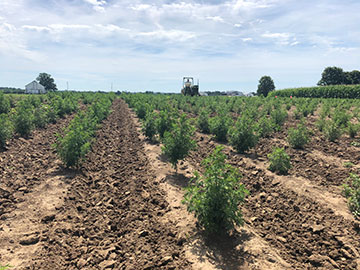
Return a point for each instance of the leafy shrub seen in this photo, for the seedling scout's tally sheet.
(353, 129)
(5, 130)
(178, 141)
(5, 267)
(149, 125)
(164, 122)
(74, 145)
(215, 197)
(141, 110)
(352, 192)
(279, 161)
(332, 131)
(24, 119)
(41, 116)
(264, 127)
(242, 136)
(278, 117)
(203, 122)
(298, 137)
(219, 126)
(4, 103)
(320, 124)
(341, 118)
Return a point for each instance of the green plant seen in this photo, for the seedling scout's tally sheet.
(149, 125)
(348, 164)
(298, 137)
(73, 146)
(203, 122)
(356, 144)
(279, 161)
(332, 131)
(215, 197)
(41, 116)
(219, 126)
(353, 129)
(5, 267)
(278, 117)
(242, 136)
(352, 192)
(320, 124)
(178, 141)
(164, 122)
(264, 127)
(4, 103)
(341, 118)
(24, 119)
(5, 130)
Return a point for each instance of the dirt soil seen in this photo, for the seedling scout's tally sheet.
(107, 215)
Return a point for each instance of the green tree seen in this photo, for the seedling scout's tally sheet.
(266, 85)
(216, 196)
(47, 81)
(352, 77)
(332, 76)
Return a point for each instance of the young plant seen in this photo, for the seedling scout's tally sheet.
(278, 117)
(178, 141)
(40, 116)
(279, 161)
(352, 192)
(74, 145)
(332, 131)
(5, 267)
(164, 122)
(24, 119)
(242, 136)
(219, 126)
(216, 196)
(4, 103)
(298, 137)
(203, 122)
(5, 130)
(149, 125)
(353, 129)
(264, 127)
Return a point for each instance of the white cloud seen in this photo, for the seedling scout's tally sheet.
(215, 18)
(98, 5)
(246, 39)
(171, 35)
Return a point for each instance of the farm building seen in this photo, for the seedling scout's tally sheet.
(34, 88)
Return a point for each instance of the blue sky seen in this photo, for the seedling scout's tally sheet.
(139, 45)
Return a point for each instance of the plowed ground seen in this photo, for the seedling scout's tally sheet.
(110, 215)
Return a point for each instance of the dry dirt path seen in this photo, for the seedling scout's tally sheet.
(112, 215)
(31, 188)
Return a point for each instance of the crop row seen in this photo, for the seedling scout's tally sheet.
(330, 91)
(77, 137)
(242, 122)
(20, 115)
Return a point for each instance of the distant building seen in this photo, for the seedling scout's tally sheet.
(34, 88)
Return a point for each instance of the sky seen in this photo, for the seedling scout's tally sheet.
(139, 45)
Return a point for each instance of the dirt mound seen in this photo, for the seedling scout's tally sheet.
(111, 215)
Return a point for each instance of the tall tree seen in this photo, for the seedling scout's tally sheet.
(266, 84)
(332, 76)
(45, 80)
(354, 77)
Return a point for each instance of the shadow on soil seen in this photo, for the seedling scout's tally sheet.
(177, 179)
(223, 251)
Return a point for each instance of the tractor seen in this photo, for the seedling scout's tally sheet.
(189, 88)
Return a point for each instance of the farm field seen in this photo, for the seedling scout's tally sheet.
(120, 208)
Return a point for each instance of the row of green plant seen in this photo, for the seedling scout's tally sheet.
(329, 91)
(30, 112)
(77, 137)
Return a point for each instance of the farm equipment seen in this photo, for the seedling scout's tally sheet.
(189, 88)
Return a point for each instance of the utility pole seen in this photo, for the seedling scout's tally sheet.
(111, 87)
(67, 86)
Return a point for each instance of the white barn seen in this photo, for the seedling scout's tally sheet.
(34, 88)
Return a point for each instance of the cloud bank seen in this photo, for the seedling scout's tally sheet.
(139, 46)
